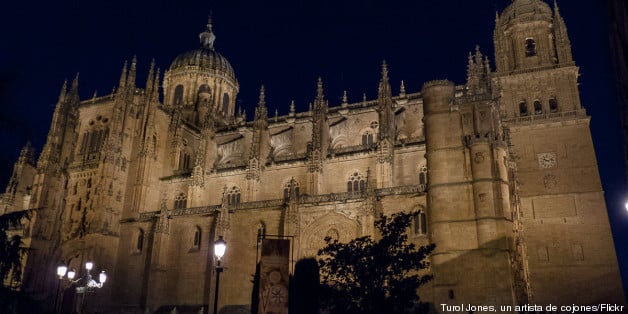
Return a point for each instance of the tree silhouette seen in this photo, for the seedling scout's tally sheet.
(12, 300)
(374, 276)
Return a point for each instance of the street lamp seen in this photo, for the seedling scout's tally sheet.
(220, 246)
(61, 270)
(88, 284)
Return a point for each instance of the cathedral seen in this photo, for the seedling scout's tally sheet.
(500, 173)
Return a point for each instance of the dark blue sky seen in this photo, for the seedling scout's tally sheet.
(284, 45)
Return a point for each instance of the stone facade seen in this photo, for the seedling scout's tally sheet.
(501, 173)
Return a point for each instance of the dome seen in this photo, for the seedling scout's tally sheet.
(526, 10)
(206, 59)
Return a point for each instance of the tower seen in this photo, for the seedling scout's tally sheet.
(564, 217)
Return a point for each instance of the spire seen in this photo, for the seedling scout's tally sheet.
(27, 154)
(261, 113)
(64, 91)
(156, 86)
(402, 89)
(132, 72)
(74, 89)
(122, 83)
(385, 104)
(384, 70)
(561, 38)
(292, 108)
(150, 78)
(478, 55)
(478, 73)
(319, 90)
(344, 98)
(73, 98)
(207, 37)
(384, 94)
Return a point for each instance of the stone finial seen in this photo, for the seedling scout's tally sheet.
(319, 89)
(292, 108)
(344, 98)
(384, 70)
(402, 89)
(262, 97)
(207, 37)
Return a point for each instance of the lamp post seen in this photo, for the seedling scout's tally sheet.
(88, 284)
(62, 271)
(219, 251)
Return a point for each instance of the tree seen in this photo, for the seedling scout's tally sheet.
(369, 276)
(10, 250)
(11, 263)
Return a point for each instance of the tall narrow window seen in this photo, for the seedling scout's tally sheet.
(233, 196)
(184, 161)
(225, 104)
(419, 223)
(538, 108)
(367, 139)
(180, 201)
(423, 175)
(197, 238)
(530, 47)
(139, 244)
(523, 109)
(178, 95)
(292, 184)
(553, 105)
(356, 183)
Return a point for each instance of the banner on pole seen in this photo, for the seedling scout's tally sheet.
(274, 276)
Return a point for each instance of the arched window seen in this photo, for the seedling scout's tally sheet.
(356, 183)
(204, 92)
(181, 201)
(553, 105)
(530, 47)
(225, 104)
(233, 196)
(419, 223)
(292, 184)
(538, 108)
(423, 175)
(139, 243)
(367, 139)
(178, 95)
(523, 108)
(197, 238)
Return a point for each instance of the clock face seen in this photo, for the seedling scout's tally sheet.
(546, 160)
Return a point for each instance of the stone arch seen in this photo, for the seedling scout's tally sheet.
(339, 141)
(314, 234)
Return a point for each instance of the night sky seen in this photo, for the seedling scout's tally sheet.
(284, 45)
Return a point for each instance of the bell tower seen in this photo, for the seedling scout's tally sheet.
(534, 61)
(562, 209)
